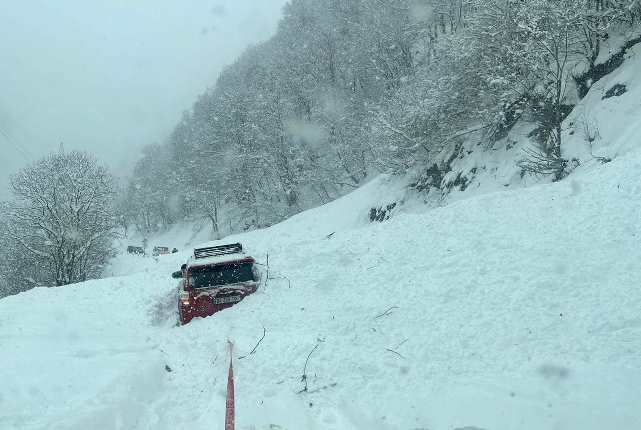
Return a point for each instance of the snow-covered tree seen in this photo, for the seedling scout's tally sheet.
(62, 218)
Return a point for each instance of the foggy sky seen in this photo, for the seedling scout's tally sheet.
(110, 76)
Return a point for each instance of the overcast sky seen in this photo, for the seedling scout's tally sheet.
(110, 76)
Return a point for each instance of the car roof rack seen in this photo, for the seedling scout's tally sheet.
(212, 251)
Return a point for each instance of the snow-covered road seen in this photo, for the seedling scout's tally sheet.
(508, 310)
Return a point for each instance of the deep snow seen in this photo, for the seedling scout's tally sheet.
(509, 310)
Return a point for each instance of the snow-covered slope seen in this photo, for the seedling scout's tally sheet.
(613, 121)
(510, 310)
(608, 117)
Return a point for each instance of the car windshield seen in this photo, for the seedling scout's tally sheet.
(207, 277)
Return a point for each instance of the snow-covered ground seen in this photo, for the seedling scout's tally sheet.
(509, 310)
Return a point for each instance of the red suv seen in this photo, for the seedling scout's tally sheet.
(213, 279)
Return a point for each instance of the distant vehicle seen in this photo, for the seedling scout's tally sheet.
(160, 250)
(135, 250)
(173, 251)
(214, 279)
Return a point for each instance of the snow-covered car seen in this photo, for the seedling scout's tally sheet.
(135, 250)
(214, 279)
(160, 250)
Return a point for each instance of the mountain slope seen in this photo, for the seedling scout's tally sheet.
(515, 309)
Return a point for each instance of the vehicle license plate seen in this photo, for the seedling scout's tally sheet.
(228, 299)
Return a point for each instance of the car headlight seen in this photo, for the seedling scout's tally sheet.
(184, 297)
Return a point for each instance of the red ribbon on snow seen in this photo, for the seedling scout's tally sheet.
(230, 414)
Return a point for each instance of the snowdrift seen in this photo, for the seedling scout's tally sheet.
(508, 310)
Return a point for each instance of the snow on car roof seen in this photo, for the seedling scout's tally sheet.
(217, 259)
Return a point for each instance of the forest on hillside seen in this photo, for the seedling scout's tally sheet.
(347, 89)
